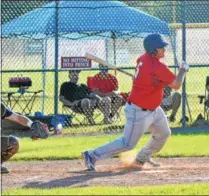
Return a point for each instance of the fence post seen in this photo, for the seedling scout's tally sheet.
(56, 60)
(44, 53)
(183, 18)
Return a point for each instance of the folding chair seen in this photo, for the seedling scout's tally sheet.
(77, 118)
(206, 102)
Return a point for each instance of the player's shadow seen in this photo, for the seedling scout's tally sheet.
(82, 177)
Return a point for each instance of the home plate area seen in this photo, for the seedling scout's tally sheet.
(110, 172)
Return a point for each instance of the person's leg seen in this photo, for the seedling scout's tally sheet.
(116, 103)
(88, 110)
(160, 133)
(9, 147)
(104, 105)
(166, 104)
(137, 121)
(176, 102)
(21, 119)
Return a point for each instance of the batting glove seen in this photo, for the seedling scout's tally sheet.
(184, 66)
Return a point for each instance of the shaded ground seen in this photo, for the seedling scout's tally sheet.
(51, 174)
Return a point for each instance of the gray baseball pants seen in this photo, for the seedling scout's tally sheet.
(137, 123)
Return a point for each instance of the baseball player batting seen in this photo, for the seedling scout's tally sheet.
(142, 110)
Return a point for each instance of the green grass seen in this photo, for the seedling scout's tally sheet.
(66, 148)
(183, 189)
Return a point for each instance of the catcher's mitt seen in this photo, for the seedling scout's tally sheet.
(39, 130)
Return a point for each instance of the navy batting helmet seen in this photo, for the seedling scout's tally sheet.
(154, 41)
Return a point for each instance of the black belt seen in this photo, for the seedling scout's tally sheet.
(143, 109)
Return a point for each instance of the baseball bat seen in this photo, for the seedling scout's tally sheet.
(105, 63)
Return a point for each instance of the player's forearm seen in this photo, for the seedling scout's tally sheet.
(112, 94)
(116, 91)
(179, 79)
(98, 92)
(23, 120)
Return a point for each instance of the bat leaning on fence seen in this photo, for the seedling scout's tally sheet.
(105, 63)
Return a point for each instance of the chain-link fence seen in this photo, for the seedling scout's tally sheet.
(36, 35)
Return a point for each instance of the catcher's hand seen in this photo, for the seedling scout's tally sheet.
(39, 130)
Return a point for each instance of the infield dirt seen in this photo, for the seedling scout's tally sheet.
(71, 173)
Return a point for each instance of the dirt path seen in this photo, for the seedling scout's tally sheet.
(50, 174)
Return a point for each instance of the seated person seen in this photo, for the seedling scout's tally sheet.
(206, 103)
(105, 85)
(10, 144)
(205, 100)
(171, 101)
(206, 97)
(78, 98)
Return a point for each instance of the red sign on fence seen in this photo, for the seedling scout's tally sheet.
(75, 62)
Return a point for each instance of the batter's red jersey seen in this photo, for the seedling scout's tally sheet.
(106, 84)
(150, 78)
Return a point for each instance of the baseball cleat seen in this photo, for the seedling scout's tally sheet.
(139, 163)
(153, 163)
(89, 161)
(4, 170)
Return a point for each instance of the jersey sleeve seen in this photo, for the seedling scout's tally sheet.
(5, 112)
(164, 74)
